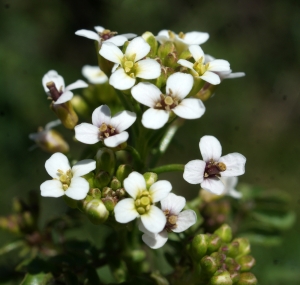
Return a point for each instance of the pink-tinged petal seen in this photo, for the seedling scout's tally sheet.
(185, 220)
(78, 84)
(219, 65)
(154, 220)
(123, 120)
(213, 185)
(160, 190)
(189, 108)
(129, 35)
(52, 188)
(101, 115)
(173, 203)
(53, 76)
(134, 184)
(211, 78)
(186, 64)
(155, 119)
(116, 140)
(194, 171)
(87, 133)
(235, 164)
(146, 93)
(138, 47)
(120, 80)
(125, 211)
(195, 38)
(155, 241)
(55, 162)
(180, 84)
(196, 52)
(99, 29)
(210, 148)
(148, 69)
(88, 34)
(66, 96)
(83, 167)
(117, 40)
(111, 52)
(78, 188)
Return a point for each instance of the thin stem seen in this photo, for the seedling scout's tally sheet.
(136, 156)
(168, 168)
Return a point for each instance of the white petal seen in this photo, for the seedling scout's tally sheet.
(120, 80)
(180, 84)
(66, 96)
(186, 64)
(94, 74)
(155, 119)
(195, 38)
(115, 67)
(194, 171)
(148, 69)
(114, 141)
(88, 34)
(99, 29)
(155, 220)
(78, 188)
(111, 52)
(52, 188)
(83, 167)
(76, 85)
(129, 35)
(235, 164)
(101, 115)
(208, 58)
(219, 65)
(173, 203)
(185, 220)
(231, 75)
(160, 190)
(123, 120)
(213, 185)
(196, 52)
(125, 211)
(190, 108)
(87, 133)
(234, 194)
(210, 148)
(134, 184)
(138, 47)
(156, 240)
(117, 40)
(146, 93)
(55, 162)
(53, 76)
(211, 77)
(229, 182)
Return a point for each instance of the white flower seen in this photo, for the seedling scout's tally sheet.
(182, 41)
(130, 65)
(207, 72)
(105, 35)
(208, 171)
(141, 203)
(230, 184)
(66, 180)
(54, 86)
(177, 221)
(94, 74)
(178, 87)
(110, 130)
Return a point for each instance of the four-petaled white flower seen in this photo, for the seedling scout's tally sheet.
(105, 35)
(177, 221)
(54, 86)
(206, 71)
(94, 74)
(208, 171)
(110, 130)
(130, 65)
(141, 203)
(66, 180)
(182, 41)
(178, 87)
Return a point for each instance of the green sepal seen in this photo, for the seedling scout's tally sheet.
(66, 114)
(105, 160)
(151, 40)
(150, 178)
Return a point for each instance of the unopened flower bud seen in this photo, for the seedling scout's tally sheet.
(233, 249)
(106, 191)
(115, 184)
(150, 178)
(209, 264)
(105, 160)
(151, 40)
(231, 264)
(80, 106)
(244, 246)
(224, 232)
(206, 91)
(165, 73)
(123, 171)
(164, 50)
(221, 278)
(198, 247)
(213, 244)
(89, 177)
(110, 203)
(96, 211)
(186, 55)
(101, 179)
(247, 278)
(246, 262)
(66, 114)
(120, 193)
(95, 193)
(82, 203)
(235, 276)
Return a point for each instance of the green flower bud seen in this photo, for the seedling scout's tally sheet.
(209, 264)
(186, 55)
(165, 73)
(82, 203)
(120, 193)
(96, 211)
(150, 178)
(70, 202)
(164, 51)
(198, 85)
(198, 247)
(115, 183)
(80, 106)
(221, 278)
(89, 178)
(110, 203)
(151, 40)
(106, 191)
(101, 179)
(244, 246)
(66, 114)
(235, 276)
(233, 249)
(231, 264)
(246, 262)
(213, 244)
(105, 160)
(18, 205)
(123, 171)
(206, 91)
(247, 278)
(95, 193)
(225, 233)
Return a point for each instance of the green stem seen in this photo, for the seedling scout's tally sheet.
(136, 156)
(168, 168)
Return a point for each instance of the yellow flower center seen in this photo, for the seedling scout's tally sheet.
(171, 221)
(65, 178)
(167, 102)
(129, 66)
(143, 202)
(106, 131)
(200, 67)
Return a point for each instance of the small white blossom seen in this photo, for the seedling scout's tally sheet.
(66, 180)
(130, 65)
(208, 171)
(105, 35)
(178, 87)
(206, 71)
(141, 203)
(54, 86)
(94, 74)
(110, 130)
(176, 221)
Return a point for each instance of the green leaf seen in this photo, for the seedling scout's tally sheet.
(38, 279)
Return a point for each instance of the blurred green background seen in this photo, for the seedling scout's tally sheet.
(257, 115)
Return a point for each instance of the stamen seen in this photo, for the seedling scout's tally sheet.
(168, 100)
(103, 127)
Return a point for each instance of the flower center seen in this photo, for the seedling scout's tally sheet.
(129, 66)
(200, 67)
(106, 131)
(54, 93)
(181, 35)
(106, 34)
(167, 102)
(171, 221)
(213, 169)
(65, 178)
(143, 202)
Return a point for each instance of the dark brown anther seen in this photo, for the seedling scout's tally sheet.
(54, 93)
